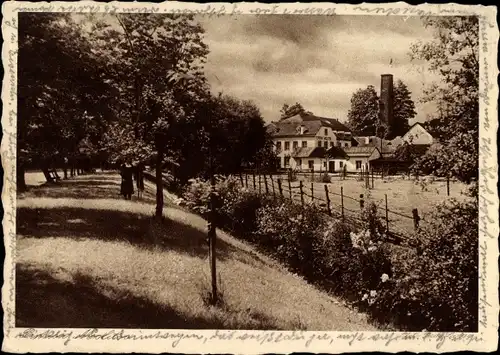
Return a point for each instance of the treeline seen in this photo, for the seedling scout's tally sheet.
(127, 88)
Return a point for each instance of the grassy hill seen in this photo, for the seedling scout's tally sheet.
(86, 258)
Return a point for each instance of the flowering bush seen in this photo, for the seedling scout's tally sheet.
(437, 289)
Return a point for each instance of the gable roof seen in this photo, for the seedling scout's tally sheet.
(309, 152)
(286, 128)
(336, 152)
(359, 151)
(332, 123)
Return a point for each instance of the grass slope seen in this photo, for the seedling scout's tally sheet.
(86, 258)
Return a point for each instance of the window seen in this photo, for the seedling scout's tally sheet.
(278, 146)
(295, 145)
(324, 164)
(326, 131)
(319, 143)
(311, 164)
(358, 164)
(287, 162)
(304, 144)
(341, 164)
(287, 145)
(331, 144)
(299, 162)
(346, 145)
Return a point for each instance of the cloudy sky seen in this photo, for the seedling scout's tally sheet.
(318, 61)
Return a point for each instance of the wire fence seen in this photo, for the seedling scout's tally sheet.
(400, 227)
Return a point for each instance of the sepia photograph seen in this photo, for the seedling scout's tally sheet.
(281, 172)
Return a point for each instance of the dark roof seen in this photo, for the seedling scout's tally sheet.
(336, 152)
(309, 152)
(333, 123)
(387, 145)
(366, 150)
(287, 128)
(343, 136)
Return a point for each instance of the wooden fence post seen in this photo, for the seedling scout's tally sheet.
(265, 185)
(290, 189)
(241, 180)
(301, 193)
(312, 192)
(416, 218)
(342, 201)
(272, 184)
(260, 185)
(254, 185)
(280, 188)
(448, 185)
(373, 181)
(329, 210)
(246, 180)
(361, 201)
(386, 215)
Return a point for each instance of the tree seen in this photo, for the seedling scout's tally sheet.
(404, 110)
(362, 118)
(61, 98)
(289, 111)
(155, 62)
(453, 55)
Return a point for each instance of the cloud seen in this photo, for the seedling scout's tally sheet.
(318, 61)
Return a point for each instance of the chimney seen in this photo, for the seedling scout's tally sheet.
(386, 101)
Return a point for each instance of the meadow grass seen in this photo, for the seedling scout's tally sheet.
(99, 261)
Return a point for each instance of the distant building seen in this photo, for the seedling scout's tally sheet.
(305, 142)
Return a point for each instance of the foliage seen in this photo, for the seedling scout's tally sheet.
(62, 99)
(292, 110)
(363, 114)
(404, 110)
(434, 290)
(453, 55)
(437, 289)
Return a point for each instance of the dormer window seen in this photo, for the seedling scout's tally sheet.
(301, 130)
(326, 131)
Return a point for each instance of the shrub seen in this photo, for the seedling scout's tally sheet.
(437, 289)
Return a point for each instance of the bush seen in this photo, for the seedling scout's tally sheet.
(289, 232)
(437, 289)
(434, 290)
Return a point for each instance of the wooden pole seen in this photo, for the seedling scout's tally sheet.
(290, 189)
(386, 215)
(416, 218)
(301, 193)
(280, 188)
(312, 192)
(373, 181)
(328, 208)
(260, 185)
(254, 185)
(246, 180)
(272, 184)
(342, 201)
(361, 201)
(265, 185)
(448, 185)
(241, 180)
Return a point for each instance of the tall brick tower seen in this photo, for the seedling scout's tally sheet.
(386, 112)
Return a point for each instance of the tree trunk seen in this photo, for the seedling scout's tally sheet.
(159, 183)
(20, 181)
(46, 173)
